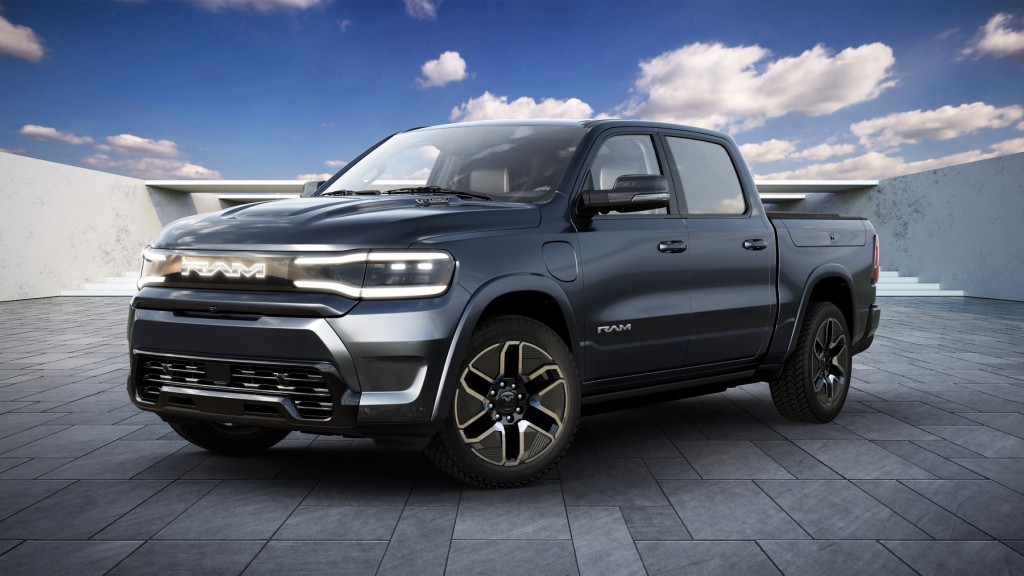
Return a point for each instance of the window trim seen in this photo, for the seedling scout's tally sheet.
(678, 180)
(663, 164)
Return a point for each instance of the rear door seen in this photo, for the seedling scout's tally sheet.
(635, 267)
(731, 252)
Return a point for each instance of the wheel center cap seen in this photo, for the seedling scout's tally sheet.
(506, 402)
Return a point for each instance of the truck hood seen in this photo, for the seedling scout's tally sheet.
(342, 223)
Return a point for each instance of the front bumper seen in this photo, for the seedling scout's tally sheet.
(370, 368)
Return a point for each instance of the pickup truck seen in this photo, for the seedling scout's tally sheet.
(465, 289)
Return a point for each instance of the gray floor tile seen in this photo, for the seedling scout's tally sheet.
(118, 460)
(919, 414)
(6, 545)
(176, 465)
(26, 437)
(934, 520)
(836, 509)
(420, 543)
(1012, 424)
(238, 510)
(981, 439)
(340, 523)
(861, 459)
(532, 557)
(435, 488)
(34, 468)
(539, 513)
(729, 510)
(815, 432)
(671, 469)
(990, 507)
(73, 442)
(705, 558)
(1009, 473)
(959, 558)
(881, 427)
(947, 449)
(608, 482)
(797, 462)
(314, 558)
(262, 467)
(927, 460)
(65, 515)
(730, 460)
(375, 481)
(65, 558)
(151, 516)
(630, 441)
(654, 523)
(8, 463)
(835, 558)
(188, 558)
(603, 543)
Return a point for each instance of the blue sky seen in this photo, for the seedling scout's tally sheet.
(274, 89)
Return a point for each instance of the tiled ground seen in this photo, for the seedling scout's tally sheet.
(922, 473)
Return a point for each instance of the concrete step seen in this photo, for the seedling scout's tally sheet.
(121, 279)
(883, 292)
(98, 292)
(901, 287)
(897, 280)
(885, 273)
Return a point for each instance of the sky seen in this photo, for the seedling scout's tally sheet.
(284, 89)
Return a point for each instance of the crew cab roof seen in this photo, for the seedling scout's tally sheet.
(582, 122)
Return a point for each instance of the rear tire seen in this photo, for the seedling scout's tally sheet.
(228, 438)
(816, 378)
(516, 408)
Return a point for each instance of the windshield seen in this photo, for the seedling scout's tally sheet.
(505, 163)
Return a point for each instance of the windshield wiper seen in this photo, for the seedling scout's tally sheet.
(438, 190)
(352, 193)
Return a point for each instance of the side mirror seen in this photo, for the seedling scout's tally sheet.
(631, 193)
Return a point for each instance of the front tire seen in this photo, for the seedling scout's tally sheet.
(516, 408)
(816, 378)
(229, 439)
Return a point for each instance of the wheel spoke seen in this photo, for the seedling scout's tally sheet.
(542, 420)
(511, 359)
(513, 443)
(479, 427)
(542, 379)
(476, 382)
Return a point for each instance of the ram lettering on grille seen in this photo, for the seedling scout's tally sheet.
(234, 270)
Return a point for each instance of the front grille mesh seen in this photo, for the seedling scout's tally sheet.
(305, 386)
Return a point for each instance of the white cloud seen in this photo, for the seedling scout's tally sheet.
(263, 6)
(152, 168)
(823, 151)
(875, 165)
(20, 41)
(344, 24)
(335, 163)
(768, 151)
(488, 106)
(422, 9)
(943, 123)
(317, 177)
(998, 38)
(1020, 126)
(131, 144)
(737, 87)
(446, 68)
(52, 134)
(775, 150)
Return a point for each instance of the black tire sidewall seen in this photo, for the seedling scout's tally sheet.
(533, 332)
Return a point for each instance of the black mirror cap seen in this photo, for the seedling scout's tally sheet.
(631, 193)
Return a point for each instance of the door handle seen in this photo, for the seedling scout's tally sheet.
(672, 246)
(756, 244)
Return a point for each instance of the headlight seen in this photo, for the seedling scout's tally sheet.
(153, 264)
(377, 275)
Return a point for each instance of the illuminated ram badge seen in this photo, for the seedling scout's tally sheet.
(207, 269)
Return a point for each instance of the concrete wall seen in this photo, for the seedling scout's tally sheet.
(959, 226)
(62, 226)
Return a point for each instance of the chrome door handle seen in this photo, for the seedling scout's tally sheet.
(756, 244)
(672, 246)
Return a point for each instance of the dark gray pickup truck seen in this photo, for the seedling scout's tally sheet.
(466, 288)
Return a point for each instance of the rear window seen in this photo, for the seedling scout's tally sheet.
(710, 183)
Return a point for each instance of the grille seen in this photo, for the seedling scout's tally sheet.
(305, 386)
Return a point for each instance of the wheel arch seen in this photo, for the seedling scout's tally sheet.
(529, 295)
(828, 283)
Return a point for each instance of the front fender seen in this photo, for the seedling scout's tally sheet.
(478, 303)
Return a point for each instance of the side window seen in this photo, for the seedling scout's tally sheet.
(621, 155)
(710, 183)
